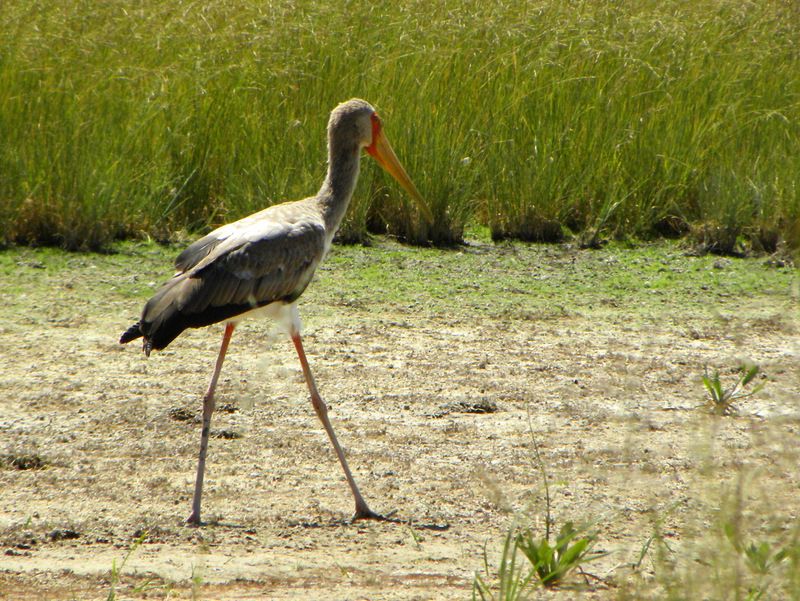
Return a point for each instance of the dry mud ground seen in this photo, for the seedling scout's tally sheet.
(439, 368)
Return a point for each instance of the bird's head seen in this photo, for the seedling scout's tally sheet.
(357, 120)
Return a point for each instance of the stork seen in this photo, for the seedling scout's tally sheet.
(260, 265)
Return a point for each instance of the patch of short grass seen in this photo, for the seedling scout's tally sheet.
(529, 281)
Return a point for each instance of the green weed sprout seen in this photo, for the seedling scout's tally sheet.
(512, 581)
(116, 572)
(551, 563)
(548, 564)
(721, 400)
(760, 558)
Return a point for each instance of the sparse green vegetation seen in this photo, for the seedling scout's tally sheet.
(548, 563)
(536, 119)
(723, 561)
(116, 571)
(552, 562)
(722, 400)
(513, 579)
(761, 558)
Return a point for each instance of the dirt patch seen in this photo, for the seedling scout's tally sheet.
(435, 399)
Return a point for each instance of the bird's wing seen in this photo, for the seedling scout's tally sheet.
(197, 251)
(262, 264)
(267, 257)
(200, 249)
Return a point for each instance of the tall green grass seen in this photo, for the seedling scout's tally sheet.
(538, 118)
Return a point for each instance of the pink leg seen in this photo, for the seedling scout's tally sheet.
(362, 509)
(208, 409)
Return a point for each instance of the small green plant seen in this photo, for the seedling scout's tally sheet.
(197, 582)
(548, 563)
(656, 541)
(552, 562)
(416, 538)
(512, 582)
(721, 400)
(760, 558)
(116, 572)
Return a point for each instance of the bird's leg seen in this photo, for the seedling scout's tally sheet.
(362, 509)
(208, 409)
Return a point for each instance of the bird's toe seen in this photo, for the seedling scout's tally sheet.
(365, 513)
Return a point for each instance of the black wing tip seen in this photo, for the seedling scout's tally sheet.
(132, 333)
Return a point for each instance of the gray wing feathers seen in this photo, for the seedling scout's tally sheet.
(252, 228)
(265, 258)
(254, 266)
(197, 251)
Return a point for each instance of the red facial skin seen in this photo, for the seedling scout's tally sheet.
(376, 130)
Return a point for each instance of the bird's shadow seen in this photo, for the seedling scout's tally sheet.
(217, 523)
(333, 522)
(388, 518)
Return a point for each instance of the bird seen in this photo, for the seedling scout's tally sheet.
(260, 265)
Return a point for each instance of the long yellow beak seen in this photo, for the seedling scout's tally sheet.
(382, 151)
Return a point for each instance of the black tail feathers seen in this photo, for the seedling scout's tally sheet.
(132, 333)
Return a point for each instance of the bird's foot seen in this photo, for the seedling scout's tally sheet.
(365, 513)
(194, 520)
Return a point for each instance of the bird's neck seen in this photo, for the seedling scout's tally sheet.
(337, 189)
